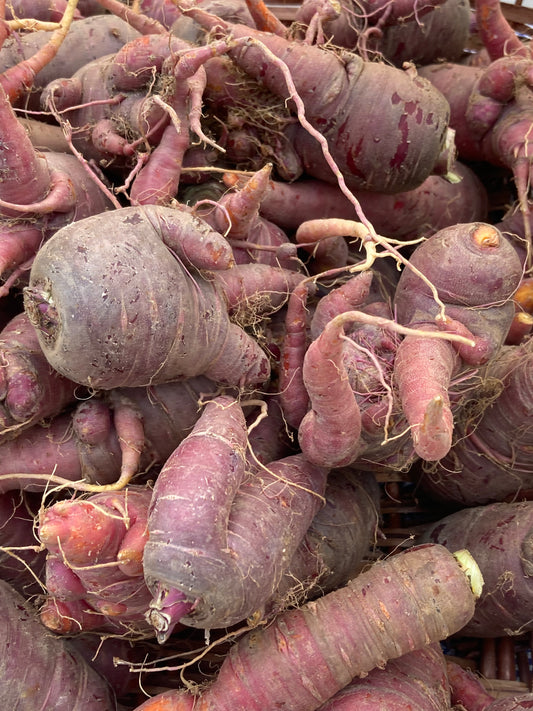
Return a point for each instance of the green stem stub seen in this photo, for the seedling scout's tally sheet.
(471, 570)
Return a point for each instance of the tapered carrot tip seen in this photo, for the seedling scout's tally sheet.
(486, 236)
(56, 617)
(259, 180)
(433, 439)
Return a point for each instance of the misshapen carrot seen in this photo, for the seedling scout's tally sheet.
(329, 432)
(205, 560)
(160, 300)
(401, 604)
(474, 272)
(328, 92)
(94, 574)
(100, 438)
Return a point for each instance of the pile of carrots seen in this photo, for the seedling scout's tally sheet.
(251, 269)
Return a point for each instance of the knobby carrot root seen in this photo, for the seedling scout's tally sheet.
(169, 243)
(479, 309)
(315, 89)
(94, 574)
(103, 441)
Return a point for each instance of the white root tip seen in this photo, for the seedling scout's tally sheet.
(471, 570)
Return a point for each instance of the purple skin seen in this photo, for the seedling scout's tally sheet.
(497, 35)
(329, 433)
(30, 389)
(114, 118)
(44, 10)
(469, 693)
(174, 541)
(337, 541)
(412, 114)
(500, 538)
(342, 359)
(467, 689)
(491, 112)
(416, 681)
(84, 338)
(491, 458)
(293, 397)
(423, 585)
(435, 204)
(418, 32)
(268, 440)
(91, 454)
(205, 559)
(124, 431)
(45, 671)
(377, 437)
(166, 12)
(17, 512)
(114, 86)
(39, 194)
(368, 369)
(100, 35)
(475, 271)
(81, 536)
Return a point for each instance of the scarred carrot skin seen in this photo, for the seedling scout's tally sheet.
(327, 94)
(416, 681)
(400, 604)
(500, 537)
(209, 521)
(182, 243)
